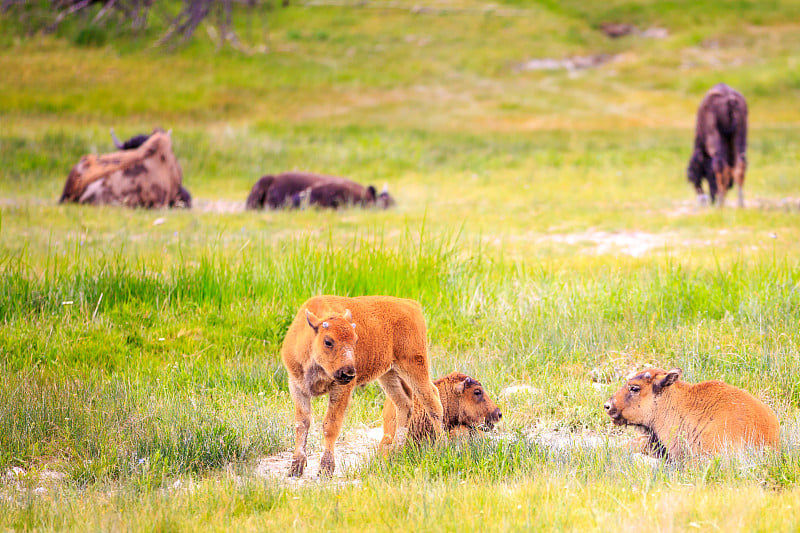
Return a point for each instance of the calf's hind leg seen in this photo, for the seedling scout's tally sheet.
(393, 387)
(416, 373)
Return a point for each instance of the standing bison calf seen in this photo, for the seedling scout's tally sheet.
(692, 419)
(720, 143)
(466, 407)
(336, 343)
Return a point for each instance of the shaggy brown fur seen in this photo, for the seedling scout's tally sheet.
(147, 176)
(720, 144)
(683, 418)
(336, 343)
(465, 404)
(343, 193)
(292, 189)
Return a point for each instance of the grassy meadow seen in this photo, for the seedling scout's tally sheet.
(543, 221)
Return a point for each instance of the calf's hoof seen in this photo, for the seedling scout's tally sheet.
(298, 465)
(327, 464)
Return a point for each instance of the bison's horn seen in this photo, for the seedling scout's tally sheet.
(385, 187)
(114, 138)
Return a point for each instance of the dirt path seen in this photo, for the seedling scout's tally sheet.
(361, 444)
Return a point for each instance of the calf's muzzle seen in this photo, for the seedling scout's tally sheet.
(345, 375)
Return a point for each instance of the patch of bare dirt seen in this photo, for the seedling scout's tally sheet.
(616, 30)
(359, 445)
(218, 206)
(632, 243)
(569, 63)
(692, 207)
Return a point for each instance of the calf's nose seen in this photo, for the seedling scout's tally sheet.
(498, 414)
(345, 374)
(607, 406)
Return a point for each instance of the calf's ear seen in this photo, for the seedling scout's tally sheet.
(348, 315)
(460, 386)
(666, 380)
(312, 320)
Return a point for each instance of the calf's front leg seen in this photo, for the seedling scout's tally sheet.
(338, 399)
(302, 422)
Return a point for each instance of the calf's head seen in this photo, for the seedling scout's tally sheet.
(334, 345)
(474, 408)
(635, 402)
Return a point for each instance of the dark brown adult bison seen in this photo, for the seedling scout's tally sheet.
(720, 143)
(294, 189)
(145, 173)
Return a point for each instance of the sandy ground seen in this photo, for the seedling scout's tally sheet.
(359, 445)
(354, 448)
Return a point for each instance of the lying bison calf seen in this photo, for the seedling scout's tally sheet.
(692, 419)
(336, 343)
(466, 407)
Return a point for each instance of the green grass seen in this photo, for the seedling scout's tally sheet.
(543, 221)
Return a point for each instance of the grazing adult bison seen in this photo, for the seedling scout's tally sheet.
(465, 404)
(336, 343)
(293, 189)
(720, 143)
(147, 175)
(692, 419)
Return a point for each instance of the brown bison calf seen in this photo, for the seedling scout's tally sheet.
(466, 407)
(720, 143)
(682, 418)
(336, 343)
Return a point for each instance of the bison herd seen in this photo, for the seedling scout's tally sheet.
(145, 173)
(337, 343)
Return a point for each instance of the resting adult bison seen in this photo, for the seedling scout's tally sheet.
(336, 343)
(466, 407)
(720, 143)
(692, 419)
(144, 176)
(134, 142)
(293, 189)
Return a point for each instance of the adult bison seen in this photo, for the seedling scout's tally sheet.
(466, 407)
(692, 419)
(336, 343)
(293, 189)
(720, 143)
(147, 175)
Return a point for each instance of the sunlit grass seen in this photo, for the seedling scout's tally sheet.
(544, 223)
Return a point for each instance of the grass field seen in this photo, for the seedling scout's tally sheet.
(543, 221)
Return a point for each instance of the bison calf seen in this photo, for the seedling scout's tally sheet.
(692, 419)
(720, 143)
(466, 407)
(336, 343)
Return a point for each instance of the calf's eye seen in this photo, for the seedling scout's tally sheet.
(328, 343)
(634, 388)
(477, 392)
